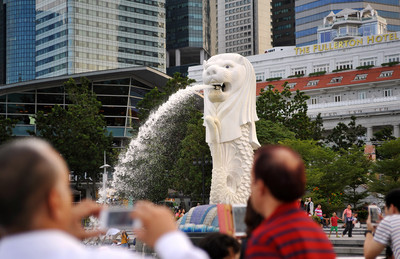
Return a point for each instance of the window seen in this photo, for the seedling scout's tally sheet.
(362, 95)
(291, 85)
(260, 76)
(344, 65)
(299, 71)
(337, 98)
(336, 80)
(312, 83)
(392, 58)
(278, 73)
(386, 74)
(314, 100)
(319, 68)
(361, 77)
(368, 61)
(387, 92)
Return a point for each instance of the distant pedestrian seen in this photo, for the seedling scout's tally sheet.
(124, 239)
(348, 219)
(310, 207)
(334, 220)
(318, 213)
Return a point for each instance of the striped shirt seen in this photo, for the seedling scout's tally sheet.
(289, 233)
(388, 233)
(318, 212)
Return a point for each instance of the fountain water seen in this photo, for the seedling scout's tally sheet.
(132, 174)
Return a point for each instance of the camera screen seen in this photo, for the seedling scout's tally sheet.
(119, 218)
(374, 215)
(238, 219)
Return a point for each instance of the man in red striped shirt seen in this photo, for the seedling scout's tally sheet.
(278, 180)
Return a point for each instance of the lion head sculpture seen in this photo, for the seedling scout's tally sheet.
(232, 101)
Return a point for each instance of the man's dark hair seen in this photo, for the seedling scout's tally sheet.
(393, 197)
(217, 245)
(284, 182)
(25, 179)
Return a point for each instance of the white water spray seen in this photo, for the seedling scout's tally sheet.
(131, 174)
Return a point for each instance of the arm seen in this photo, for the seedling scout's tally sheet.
(160, 231)
(372, 248)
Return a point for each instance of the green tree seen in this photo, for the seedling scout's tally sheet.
(269, 132)
(78, 132)
(354, 167)
(187, 174)
(386, 172)
(6, 126)
(384, 134)
(286, 108)
(345, 136)
(153, 99)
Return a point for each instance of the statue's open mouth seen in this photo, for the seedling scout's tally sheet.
(219, 86)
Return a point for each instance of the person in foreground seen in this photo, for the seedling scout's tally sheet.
(388, 231)
(278, 180)
(220, 246)
(38, 220)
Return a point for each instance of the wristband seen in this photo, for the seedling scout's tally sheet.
(366, 232)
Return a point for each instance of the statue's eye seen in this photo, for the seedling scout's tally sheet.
(227, 66)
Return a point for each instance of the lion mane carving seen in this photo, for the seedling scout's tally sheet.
(229, 118)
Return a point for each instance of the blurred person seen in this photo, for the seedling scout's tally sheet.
(387, 233)
(334, 220)
(347, 218)
(39, 220)
(318, 213)
(124, 239)
(220, 246)
(310, 206)
(252, 219)
(278, 180)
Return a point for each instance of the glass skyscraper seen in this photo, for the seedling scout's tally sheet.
(48, 38)
(20, 40)
(75, 36)
(309, 15)
(188, 34)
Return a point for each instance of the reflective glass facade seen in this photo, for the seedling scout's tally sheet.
(119, 98)
(188, 33)
(20, 40)
(2, 42)
(309, 15)
(76, 36)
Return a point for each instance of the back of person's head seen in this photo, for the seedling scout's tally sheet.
(282, 171)
(219, 246)
(252, 218)
(393, 197)
(25, 179)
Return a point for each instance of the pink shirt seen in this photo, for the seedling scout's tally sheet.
(347, 213)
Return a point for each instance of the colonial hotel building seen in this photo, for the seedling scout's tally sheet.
(350, 74)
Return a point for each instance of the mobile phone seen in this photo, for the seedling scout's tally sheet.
(238, 213)
(374, 214)
(118, 218)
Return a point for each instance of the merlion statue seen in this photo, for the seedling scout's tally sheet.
(229, 118)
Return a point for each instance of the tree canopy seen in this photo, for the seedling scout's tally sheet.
(78, 132)
(6, 129)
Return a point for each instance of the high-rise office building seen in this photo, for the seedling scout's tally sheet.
(88, 35)
(20, 40)
(244, 26)
(309, 15)
(283, 23)
(189, 41)
(2, 43)
(46, 38)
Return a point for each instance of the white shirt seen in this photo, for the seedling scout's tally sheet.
(55, 244)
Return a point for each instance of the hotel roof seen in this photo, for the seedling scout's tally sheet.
(337, 79)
